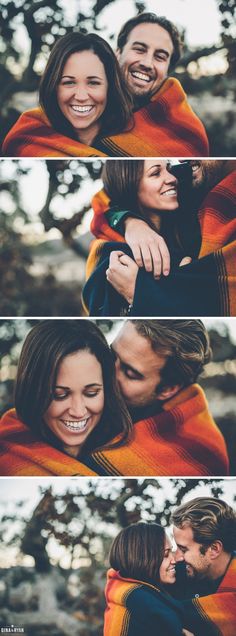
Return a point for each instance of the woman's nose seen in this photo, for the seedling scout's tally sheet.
(170, 178)
(77, 406)
(81, 93)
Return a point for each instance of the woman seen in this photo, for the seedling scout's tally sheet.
(148, 190)
(82, 97)
(66, 400)
(142, 562)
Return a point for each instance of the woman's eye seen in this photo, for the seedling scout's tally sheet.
(92, 393)
(60, 396)
(67, 82)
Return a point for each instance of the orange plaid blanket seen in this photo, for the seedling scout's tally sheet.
(181, 440)
(165, 127)
(218, 610)
(33, 136)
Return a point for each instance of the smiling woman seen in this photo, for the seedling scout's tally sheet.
(66, 398)
(82, 97)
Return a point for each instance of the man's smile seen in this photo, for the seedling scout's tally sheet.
(143, 77)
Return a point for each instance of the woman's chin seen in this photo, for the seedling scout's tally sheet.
(170, 579)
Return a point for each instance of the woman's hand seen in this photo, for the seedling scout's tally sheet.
(149, 248)
(122, 274)
(187, 633)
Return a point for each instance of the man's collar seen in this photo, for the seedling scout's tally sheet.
(143, 412)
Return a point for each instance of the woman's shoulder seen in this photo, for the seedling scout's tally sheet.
(9, 422)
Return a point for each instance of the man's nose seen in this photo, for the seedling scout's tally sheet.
(179, 555)
(147, 60)
(118, 371)
(117, 366)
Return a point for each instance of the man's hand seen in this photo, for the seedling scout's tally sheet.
(122, 274)
(149, 248)
(187, 633)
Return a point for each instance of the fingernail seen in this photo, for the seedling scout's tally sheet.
(166, 272)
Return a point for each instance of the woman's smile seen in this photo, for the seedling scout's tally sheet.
(82, 110)
(76, 426)
(171, 192)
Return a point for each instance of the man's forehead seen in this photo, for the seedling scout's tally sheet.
(151, 35)
(134, 347)
(183, 536)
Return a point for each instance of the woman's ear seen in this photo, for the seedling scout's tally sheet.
(168, 392)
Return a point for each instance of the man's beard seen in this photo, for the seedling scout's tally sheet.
(141, 100)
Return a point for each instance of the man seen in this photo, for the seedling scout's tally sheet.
(157, 362)
(207, 286)
(164, 123)
(205, 534)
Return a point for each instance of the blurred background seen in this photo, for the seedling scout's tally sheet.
(53, 562)
(218, 379)
(45, 213)
(29, 28)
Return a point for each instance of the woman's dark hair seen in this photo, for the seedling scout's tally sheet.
(45, 347)
(121, 178)
(118, 111)
(138, 551)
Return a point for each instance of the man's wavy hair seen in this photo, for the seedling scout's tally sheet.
(184, 343)
(211, 519)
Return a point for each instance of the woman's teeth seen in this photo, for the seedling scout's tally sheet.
(75, 425)
(169, 193)
(82, 109)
